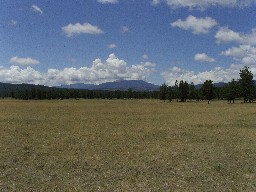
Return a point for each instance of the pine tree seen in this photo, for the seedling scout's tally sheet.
(208, 90)
(163, 92)
(246, 83)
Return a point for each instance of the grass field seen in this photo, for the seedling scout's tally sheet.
(127, 145)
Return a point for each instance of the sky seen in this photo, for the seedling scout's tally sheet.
(95, 41)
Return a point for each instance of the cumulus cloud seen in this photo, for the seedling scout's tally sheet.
(23, 61)
(72, 29)
(244, 55)
(15, 74)
(112, 46)
(226, 35)
(217, 74)
(203, 57)
(250, 38)
(197, 25)
(199, 4)
(108, 1)
(99, 72)
(36, 9)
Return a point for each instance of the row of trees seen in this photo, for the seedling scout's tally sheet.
(182, 91)
(38, 93)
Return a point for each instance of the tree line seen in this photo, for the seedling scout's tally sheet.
(242, 88)
(182, 91)
(33, 92)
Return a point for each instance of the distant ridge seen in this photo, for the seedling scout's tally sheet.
(123, 85)
(220, 84)
(78, 86)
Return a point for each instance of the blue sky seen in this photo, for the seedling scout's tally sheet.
(96, 41)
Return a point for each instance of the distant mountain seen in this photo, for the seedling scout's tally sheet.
(135, 85)
(220, 84)
(78, 86)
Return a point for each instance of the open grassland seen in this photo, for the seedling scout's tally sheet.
(127, 145)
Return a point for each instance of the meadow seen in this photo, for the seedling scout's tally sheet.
(127, 145)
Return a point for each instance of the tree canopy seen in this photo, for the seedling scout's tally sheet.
(246, 83)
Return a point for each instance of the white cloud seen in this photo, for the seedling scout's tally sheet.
(15, 74)
(217, 74)
(36, 9)
(124, 29)
(112, 46)
(226, 35)
(203, 4)
(78, 28)
(239, 51)
(110, 70)
(250, 38)
(108, 1)
(197, 25)
(145, 56)
(203, 57)
(24, 61)
(244, 54)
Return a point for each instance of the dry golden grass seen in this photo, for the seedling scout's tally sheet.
(127, 145)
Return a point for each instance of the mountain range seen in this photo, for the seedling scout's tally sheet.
(123, 85)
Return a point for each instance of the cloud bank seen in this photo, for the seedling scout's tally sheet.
(99, 72)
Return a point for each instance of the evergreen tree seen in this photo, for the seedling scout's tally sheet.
(208, 90)
(183, 90)
(246, 83)
(231, 90)
(129, 93)
(192, 92)
(170, 93)
(163, 92)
